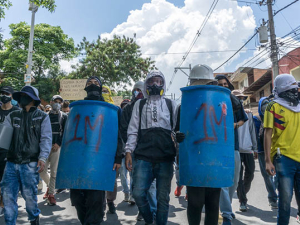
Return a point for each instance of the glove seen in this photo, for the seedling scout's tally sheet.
(180, 137)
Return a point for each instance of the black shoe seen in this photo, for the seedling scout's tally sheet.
(36, 221)
(60, 190)
(111, 207)
(139, 217)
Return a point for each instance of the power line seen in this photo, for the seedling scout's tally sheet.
(285, 7)
(210, 11)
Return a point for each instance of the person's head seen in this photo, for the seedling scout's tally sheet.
(56, 103)
(47, 108)
(155, 83)
(6, 94)
(66, 106)
(286, 87)
(224, 82)
(240, 95)
(137, 91)
(124, 103)
(27, 97)
(262, 105)
(201, 75)
(93, 88)
(106, 93)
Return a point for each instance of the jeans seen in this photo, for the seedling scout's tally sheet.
(53, 161)
(123, 175)
(24, 178)
(144, 174)
(269, 180)
(198, 197)
(177, 174)
(288, 172)
(89, 205)
(227, 192)
(247, 163)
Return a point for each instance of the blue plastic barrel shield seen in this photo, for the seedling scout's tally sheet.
(89, 147)
(206, 156)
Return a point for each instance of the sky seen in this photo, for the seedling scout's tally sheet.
(166, 26)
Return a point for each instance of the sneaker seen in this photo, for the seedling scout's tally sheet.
(111, 207)
(51, 200)
(243, 207)
(298, 218)
(233, 215)
(273, 205)
(1, 211)
(46, 195)
(60, 191)
(139, 217)
(177, 191)
(36, 221)
(226, 221)
(131, 200)
(126, 197)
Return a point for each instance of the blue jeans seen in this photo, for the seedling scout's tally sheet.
(288, 172)
(144, 174)
(24, 178)
(123, 175)
(227, 192)
(269, 180)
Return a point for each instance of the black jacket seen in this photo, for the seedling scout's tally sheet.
(32, 134)
(125, 119)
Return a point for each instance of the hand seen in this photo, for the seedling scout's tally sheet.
(55, 147)
(180, 137)
(116, 166)
(270, 168)
(128, 161)
(41, 164)
(255, 154)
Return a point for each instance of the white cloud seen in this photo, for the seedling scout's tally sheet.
(161, 27)
(66, 65)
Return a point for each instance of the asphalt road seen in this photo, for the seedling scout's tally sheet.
(63, 213)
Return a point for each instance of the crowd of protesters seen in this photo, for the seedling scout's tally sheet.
(147, 153)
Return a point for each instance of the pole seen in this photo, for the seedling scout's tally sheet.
(34, 9)
(274, 49)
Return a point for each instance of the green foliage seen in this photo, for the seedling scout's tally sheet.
(116, 62)
(4, 4)
(50, 45)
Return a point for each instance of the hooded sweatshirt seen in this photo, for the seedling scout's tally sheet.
(149, 137)
(107, 96)
(247, 136)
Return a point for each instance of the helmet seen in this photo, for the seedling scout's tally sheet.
(201, 72)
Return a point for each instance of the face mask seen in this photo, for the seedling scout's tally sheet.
(135, 93)
(93, 92)
(14, 102)
(5, 99)
(290, 96)
(56, 107)
(155, 90)
(25, 100)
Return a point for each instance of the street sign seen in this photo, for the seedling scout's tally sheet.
(27, 78)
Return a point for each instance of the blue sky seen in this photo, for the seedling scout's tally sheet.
(94, 17)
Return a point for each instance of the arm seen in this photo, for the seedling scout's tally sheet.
(175, 112)
(253, 133)
(241, 117)
(120, 147)
(267, 146)
(125, 119)
(46, 139)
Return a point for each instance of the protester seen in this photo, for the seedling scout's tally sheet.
(90, 203)
(240, 118)
(269, 180)
(6, 108)
(152, 119)
(281, 141)
(248, 152)
(200, 196)
(124, 103)
(106, 93)
(66, 107)
(137, 94)
(33, 137)
(58, 120)
(47, 108)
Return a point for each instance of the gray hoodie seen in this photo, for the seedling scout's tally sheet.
(247, 136)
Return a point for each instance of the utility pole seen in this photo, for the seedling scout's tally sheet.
(274, 49)
(27, 78)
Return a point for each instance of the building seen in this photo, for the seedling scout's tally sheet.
(290, 63)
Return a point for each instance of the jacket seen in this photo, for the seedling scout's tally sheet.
(58, 126)
(149, 136)
(32, 136)
(247, 136)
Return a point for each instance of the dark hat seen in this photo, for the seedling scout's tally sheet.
(57, 97)
(222, 77)
(32, 92)
(7, 89)
(96, 78)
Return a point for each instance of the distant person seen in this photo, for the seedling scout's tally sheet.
(47, 108)
(66, 107)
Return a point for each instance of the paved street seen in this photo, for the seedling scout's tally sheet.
(63, 214)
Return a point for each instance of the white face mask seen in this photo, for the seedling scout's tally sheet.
(56, 107)
(136, 93)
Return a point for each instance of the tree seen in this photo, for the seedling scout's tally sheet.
(116, 62)
(50, 46)
(6, 4)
